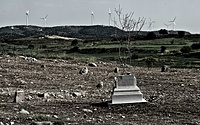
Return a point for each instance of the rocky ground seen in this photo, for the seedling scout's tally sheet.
(56, 93)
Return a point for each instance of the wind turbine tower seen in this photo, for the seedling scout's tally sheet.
(92, 17)
(109, 13)
(45, 20)
(173, 22)
(27, 17)
(167, 25)
(115, 22)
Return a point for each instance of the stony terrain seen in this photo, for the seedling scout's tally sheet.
(57, 93)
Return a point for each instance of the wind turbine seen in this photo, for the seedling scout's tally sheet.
(173, 22)
(92, 17)
(151, 24)
(167, 25)
(27, 17)
(45, 20)
(109, 13)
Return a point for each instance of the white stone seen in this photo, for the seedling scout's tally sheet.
(76, 94)
(55, 116)
(12, 123)
(126, 90)
(92, 64)
(84, 70)
(23, 111)
(87, 110)
(43, 123)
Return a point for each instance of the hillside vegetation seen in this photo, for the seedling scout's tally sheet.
(151, 49)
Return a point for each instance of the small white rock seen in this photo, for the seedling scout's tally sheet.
(123, 116)
(23, 111)
(88, 110)
(84, 70)
(55, 116)
(92, 64)
(76, 94)
(12, 123)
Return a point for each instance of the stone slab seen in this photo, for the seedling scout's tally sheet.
(126, 91)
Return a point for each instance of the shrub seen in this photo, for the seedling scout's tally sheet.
(185, 49)
(163, 31)
(43, 46)
(150, 61)
(31, 46)
(134, 55)
(151, 35)
(163, 48)
(181, 33)
(74, 43)
(74, 49)
(172, 42)
(195, 46)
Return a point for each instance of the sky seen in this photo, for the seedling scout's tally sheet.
(78, 12)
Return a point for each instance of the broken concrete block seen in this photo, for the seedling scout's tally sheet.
(19, 96)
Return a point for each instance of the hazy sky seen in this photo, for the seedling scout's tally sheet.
(78, 12)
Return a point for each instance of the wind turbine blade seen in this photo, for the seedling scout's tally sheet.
(174, 19)
(150, 19)
(46, 16)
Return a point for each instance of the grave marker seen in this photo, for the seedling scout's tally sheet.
(126, 90)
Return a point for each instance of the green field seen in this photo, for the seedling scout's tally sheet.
(107, 50)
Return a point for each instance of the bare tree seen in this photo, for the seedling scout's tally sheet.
(127, 23)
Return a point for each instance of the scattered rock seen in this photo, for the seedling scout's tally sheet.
(84, 70)
(164, 68)
(12, 123)
(42, 123)
(92, 64)
(76, 94)
(43, 95)
(29, 98)
(19, 96)
(60, 96)
(88, 110)
(23, 111)
(55, 116)
(116, 70)
(123, 116)
(100, 85)
(31, 59)
(43, 66)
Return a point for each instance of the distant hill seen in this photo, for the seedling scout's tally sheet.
(83, 32)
